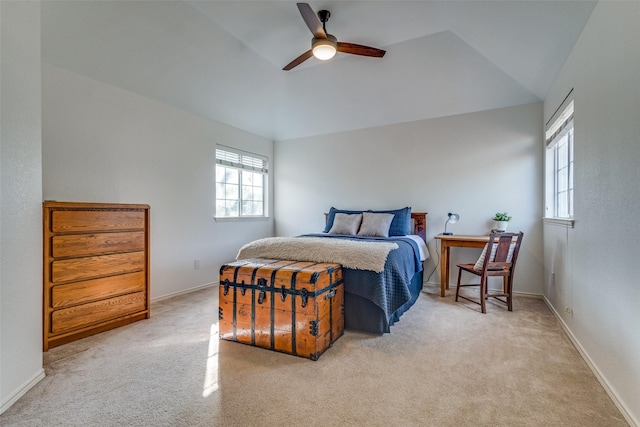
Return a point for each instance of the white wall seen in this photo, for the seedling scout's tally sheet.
(103, 144)
(21, 201)
(441, 75)
(601, 283)
(473, 164)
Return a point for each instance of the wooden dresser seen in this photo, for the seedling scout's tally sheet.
(96, 268)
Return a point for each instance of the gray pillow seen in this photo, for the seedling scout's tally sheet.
(346, 223)
(375, 224)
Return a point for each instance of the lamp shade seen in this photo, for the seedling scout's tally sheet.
(324, 49)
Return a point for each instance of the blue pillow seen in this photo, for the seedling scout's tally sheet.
(400, 226)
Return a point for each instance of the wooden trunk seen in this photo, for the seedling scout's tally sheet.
(287, 306)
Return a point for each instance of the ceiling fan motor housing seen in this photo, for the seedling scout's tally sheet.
(324, 15)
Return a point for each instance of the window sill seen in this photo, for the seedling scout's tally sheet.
(560, 222)
(242, 219)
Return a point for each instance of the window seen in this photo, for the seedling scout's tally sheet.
(241, 183)
(559, 165)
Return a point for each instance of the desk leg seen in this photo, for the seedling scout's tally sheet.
(444, 267)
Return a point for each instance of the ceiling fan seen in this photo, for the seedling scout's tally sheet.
(325, 45)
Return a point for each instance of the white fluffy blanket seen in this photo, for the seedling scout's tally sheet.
(352, 254)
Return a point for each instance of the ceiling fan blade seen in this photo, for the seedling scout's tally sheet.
(299, 60)
(358, 49)
(312, 21)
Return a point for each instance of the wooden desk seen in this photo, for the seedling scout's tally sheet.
(455, 240)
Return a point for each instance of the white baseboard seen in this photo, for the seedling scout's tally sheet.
(186, 291)
(522, 294)
(601, 379)
(22, 390)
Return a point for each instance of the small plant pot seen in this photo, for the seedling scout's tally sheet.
(501, 225)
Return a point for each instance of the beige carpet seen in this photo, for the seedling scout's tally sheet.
(444, 364)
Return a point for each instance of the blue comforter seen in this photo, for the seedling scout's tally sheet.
(389, 290)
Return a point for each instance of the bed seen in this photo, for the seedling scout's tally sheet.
(383, 271)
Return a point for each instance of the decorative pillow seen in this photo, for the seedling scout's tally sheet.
(332, 214)
(494, 249)
(375, 224)
(400, 226)
(346, 223)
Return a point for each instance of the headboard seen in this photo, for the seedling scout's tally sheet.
(419, 223)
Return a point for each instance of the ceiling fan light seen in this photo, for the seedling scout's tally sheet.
(324, 49)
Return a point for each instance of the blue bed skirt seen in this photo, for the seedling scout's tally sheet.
(360, 314)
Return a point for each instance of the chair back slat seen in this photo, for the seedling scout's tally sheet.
(507, 246)
(502, 253)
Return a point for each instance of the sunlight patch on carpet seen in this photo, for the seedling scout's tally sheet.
(211, 374)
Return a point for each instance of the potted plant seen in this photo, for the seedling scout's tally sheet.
(501, 219)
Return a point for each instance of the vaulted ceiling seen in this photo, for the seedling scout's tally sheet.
(223, 59)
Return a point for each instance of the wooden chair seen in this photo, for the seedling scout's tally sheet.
(497, 262)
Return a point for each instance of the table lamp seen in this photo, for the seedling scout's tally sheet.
(453, 218)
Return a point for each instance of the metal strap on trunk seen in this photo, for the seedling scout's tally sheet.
(295, 292)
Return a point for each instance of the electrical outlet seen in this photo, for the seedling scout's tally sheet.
(196, 264)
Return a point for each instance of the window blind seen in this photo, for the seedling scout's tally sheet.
(560, 126)
(558, 134)
(241, 160)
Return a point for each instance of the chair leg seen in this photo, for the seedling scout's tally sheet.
(509, 294)
(483, 294)
(458, 285)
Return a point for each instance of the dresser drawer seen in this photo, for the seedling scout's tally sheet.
(72, 318)
(65, 270)
(66, 221)
(91, 290)
(74, 245)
